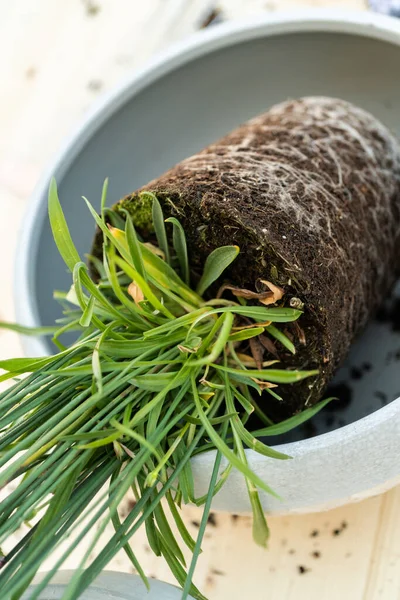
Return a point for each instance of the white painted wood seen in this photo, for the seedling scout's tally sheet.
(55, 59)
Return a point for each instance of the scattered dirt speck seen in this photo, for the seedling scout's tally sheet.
(356, 373)
(390, 314)
(235, 517)
(212, 519)
(195, 524)
(367, 366)
(382, 397)
(316, 554)
(211, 18)
(343, 393)
(309, 429)
(31, 72)
(95, 85)
(302, 569)
(314, 533)
(329, 421)
(338, 530)
(292, 551)
(381, 315)
(218, 572)
(348, 554)
(92, 8)
(284, 543)
(210, 581)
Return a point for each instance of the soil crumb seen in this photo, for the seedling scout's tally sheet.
(309, 429)
(382, 397)
(343, 393)
(356, 373)
(340, 529)
(314, 533)
(329, 421)
(302, 569)
(390, 314)
(30, 73)
(212, 519)
(213, 17)
(95, 85)
(92, 8)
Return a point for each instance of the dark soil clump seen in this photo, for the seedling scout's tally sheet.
(310, 192)
(343, 393)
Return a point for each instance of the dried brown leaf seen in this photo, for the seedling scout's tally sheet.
(251, 325)
(264, 384)
(129, 452)
(155, 250)
(301, 336)
(248, 361)
(276, 291)
(135, 292)
(268, 345)
(257, 351)
(288, 334)
(246, 294)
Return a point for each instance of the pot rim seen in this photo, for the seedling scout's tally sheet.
(359, 23)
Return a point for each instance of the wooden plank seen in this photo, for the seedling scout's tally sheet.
(383, 577)
(57, 58)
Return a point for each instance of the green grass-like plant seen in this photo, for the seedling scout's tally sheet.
(157, 375)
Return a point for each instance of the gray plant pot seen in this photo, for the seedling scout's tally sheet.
(110, 585)
(178, 103)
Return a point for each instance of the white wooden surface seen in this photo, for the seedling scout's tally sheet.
(56, 58)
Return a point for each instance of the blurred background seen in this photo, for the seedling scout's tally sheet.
(57, 59)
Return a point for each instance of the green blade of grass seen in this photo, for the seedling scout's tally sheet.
(271, 375)
(87, 314)
(59, 227)
(225, 450)
(215, 265)
(292, 422)
(179, 243)
(24, 330)
(185, 535)
(281, 337)
(159, 228)
(203, 523)
(134, 247)
(103, 201)
(245, 334)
